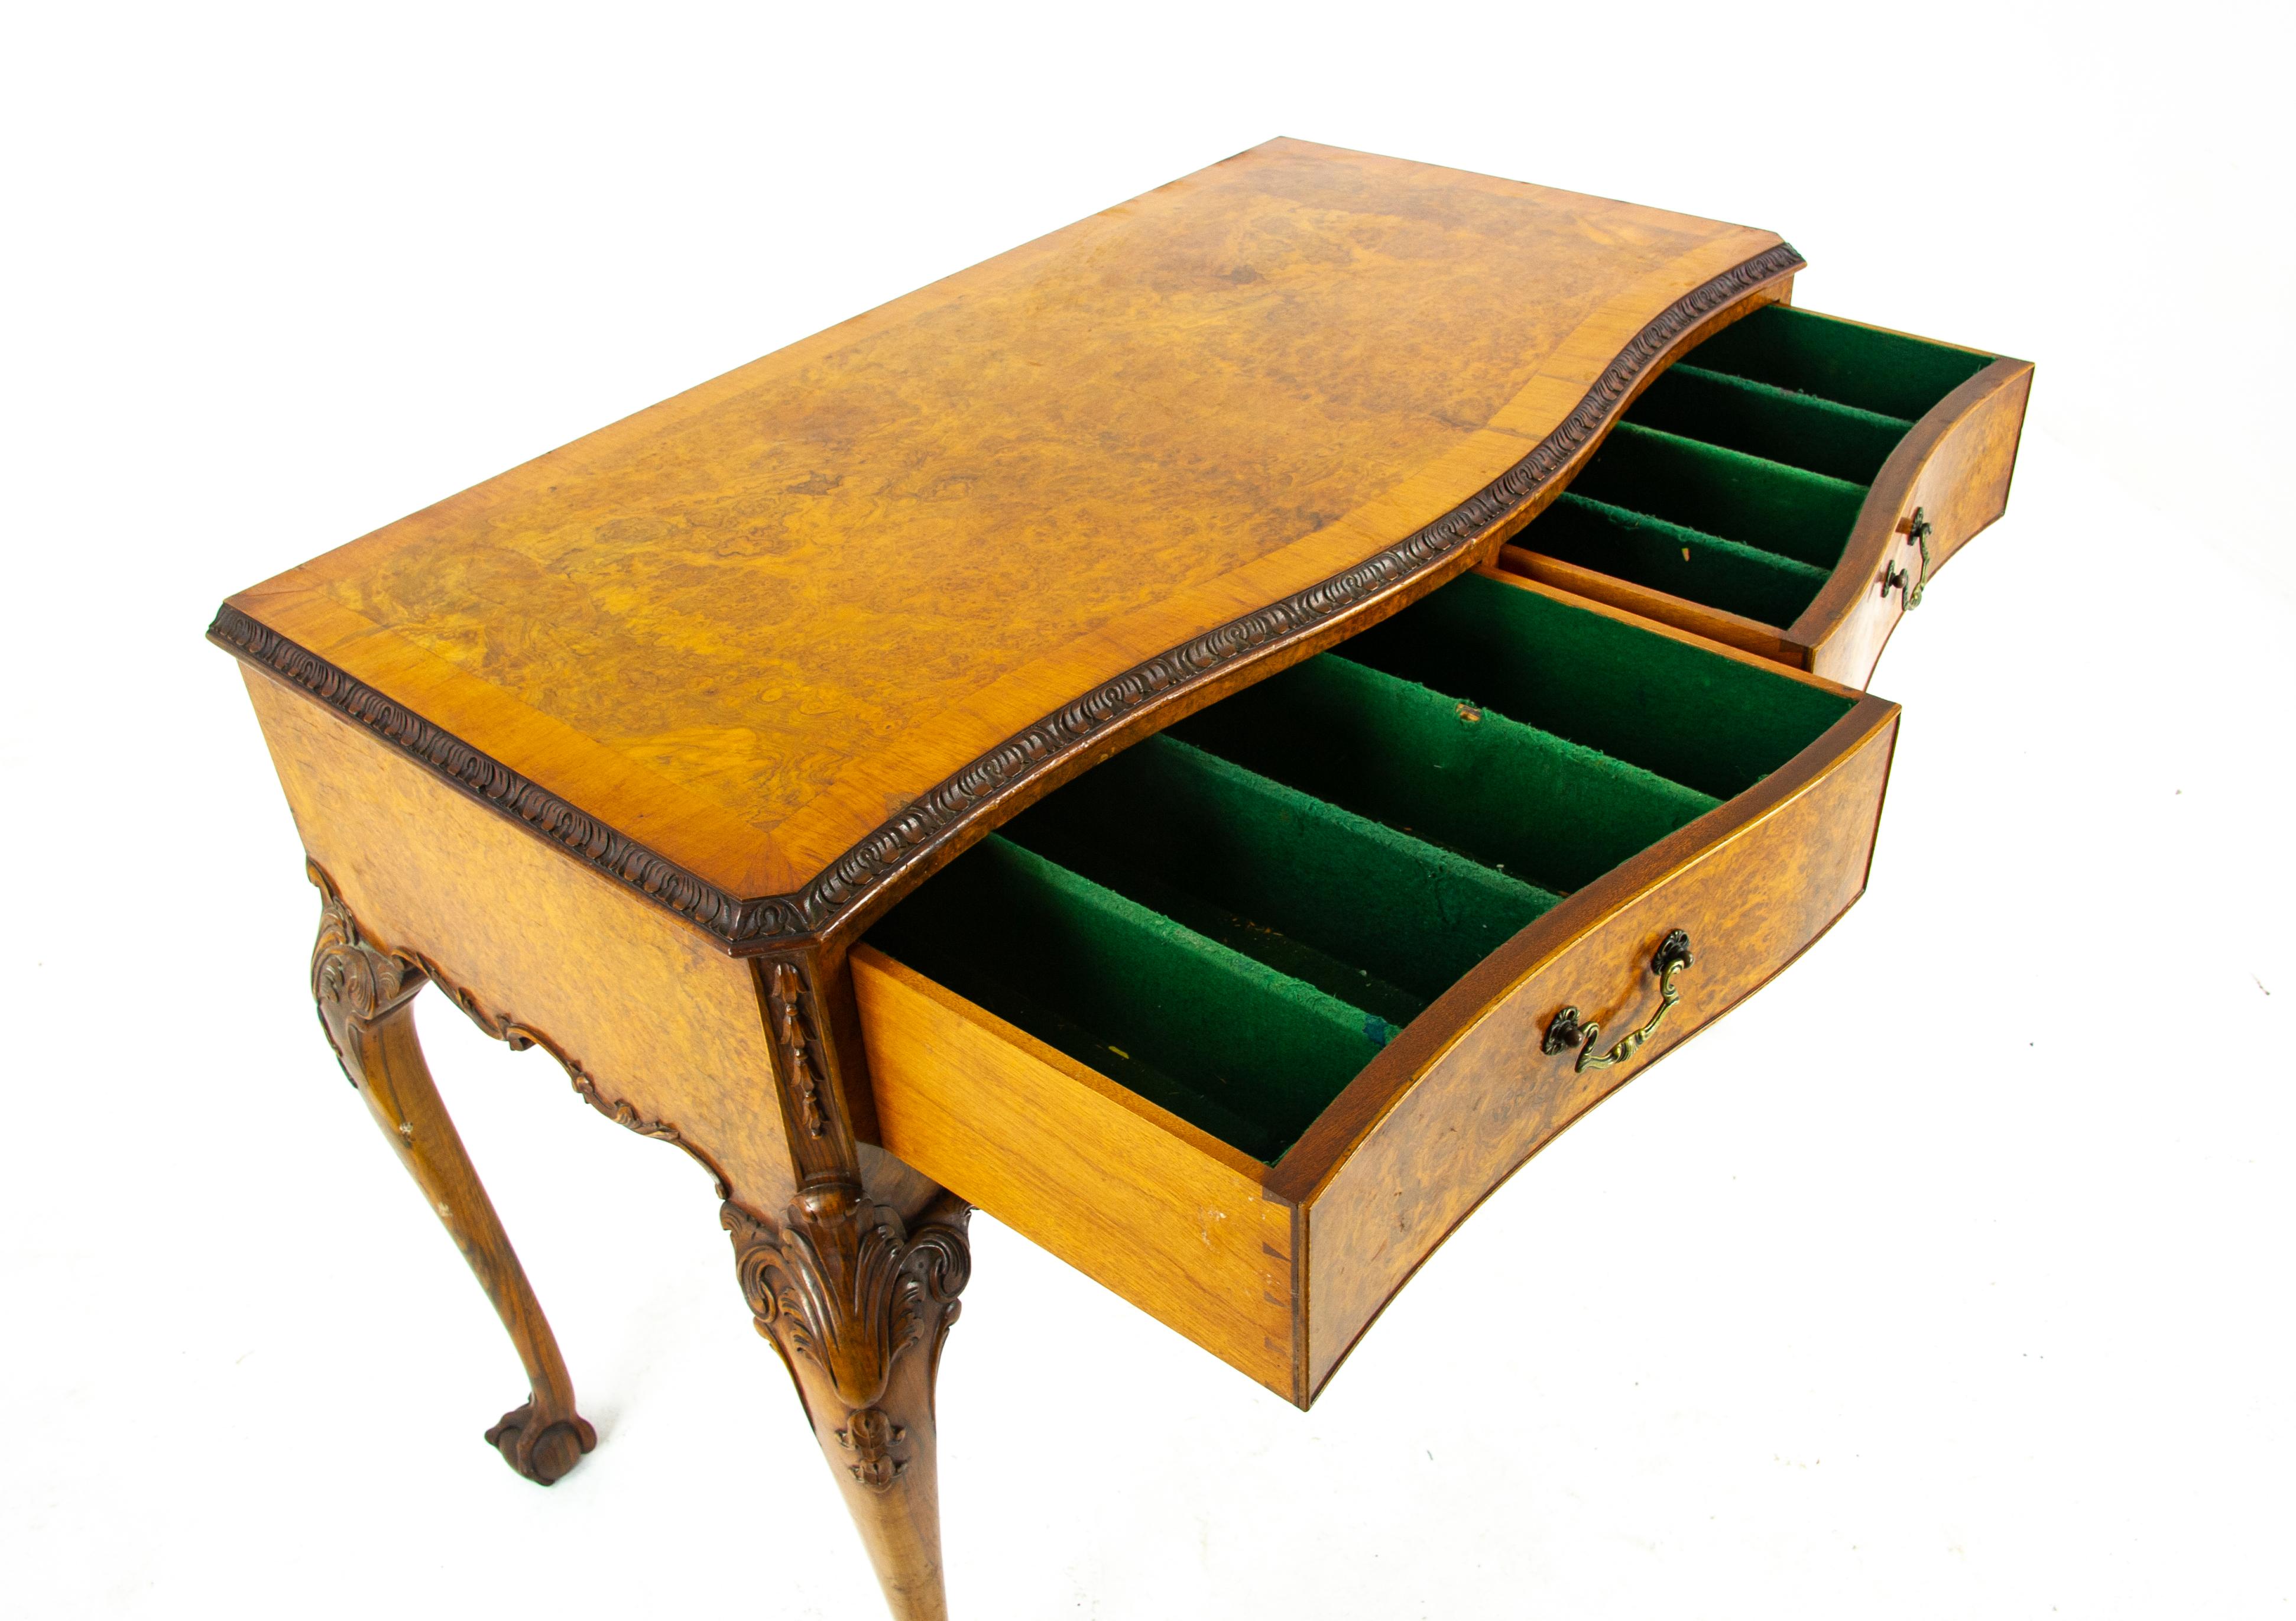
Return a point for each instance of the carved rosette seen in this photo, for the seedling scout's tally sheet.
(845, 1293)
(870, 1435)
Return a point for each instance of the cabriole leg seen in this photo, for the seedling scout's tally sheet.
(367, 1006)
(858, 1304)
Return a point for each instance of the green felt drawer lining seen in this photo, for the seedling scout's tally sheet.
(1250, 862)
(1246, 1053)
(1698, 717)
(1765, 437)
(1233, 917)
(1821, 435)
(1686, 563)
(1840, 360)
(1513, 797)
(1759, 502)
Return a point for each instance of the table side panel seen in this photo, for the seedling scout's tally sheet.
(654, 1012)
(1751, 903)
(1172, 1221)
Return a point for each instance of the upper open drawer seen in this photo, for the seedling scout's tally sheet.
(1244, 1021)
(1789, 486)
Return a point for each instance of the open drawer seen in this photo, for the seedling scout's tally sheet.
(1244, 1021)
(1789, 486)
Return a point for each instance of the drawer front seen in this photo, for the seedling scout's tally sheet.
(1275, 968)
(1951, 475)
(1416, 1149)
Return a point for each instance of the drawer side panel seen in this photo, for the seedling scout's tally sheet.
(1750, 902)
(1159, 1214)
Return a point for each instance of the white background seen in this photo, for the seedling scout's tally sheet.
(1951, 1276)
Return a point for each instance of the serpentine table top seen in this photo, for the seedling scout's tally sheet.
(757, 648)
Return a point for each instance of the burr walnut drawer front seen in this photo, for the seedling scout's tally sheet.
(1789, 486)
(1244, 1021)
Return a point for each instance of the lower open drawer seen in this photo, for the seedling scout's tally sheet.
(1789, 486)
(1243, 1021)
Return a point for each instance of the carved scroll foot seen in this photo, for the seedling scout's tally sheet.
(541, 1448)
(858, 1306)
(366, 1000)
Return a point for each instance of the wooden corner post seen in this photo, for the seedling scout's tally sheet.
(856, 1297)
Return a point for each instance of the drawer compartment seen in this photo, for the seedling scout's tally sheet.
(1216, 966)
(1712, 490)
(1763, 490)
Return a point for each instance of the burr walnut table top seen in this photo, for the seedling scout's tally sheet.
(720, 647)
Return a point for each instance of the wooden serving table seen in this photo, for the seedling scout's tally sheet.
(646, 751)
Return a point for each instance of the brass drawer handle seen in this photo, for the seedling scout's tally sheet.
(1917, 530)
(1565, 1032)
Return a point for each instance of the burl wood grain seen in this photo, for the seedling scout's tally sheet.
(1752, 884)
(748, 624)
(661, 1017)
(1162, 1214)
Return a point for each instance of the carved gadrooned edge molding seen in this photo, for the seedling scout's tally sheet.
(804, 914)
(845, 1291)
(358, 972)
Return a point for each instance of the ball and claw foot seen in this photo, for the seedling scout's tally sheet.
(543, 1453)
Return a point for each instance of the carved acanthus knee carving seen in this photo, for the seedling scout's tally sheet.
(859, 1306)
(845, 1293)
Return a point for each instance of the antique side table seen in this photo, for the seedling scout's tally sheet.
(1211, 736)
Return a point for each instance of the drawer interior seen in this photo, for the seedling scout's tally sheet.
(1734, 480)
(1231, 918)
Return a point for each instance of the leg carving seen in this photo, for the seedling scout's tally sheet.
(366, 1000)
(859, 1307)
